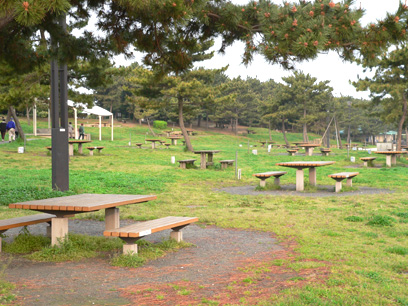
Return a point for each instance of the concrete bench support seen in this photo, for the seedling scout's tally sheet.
(132, 233)
(226, 163)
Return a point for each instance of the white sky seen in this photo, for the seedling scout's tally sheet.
(325, 67)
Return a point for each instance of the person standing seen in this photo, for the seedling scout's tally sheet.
(81, 132)
(70, 130)
(11, 128)
(3, 128)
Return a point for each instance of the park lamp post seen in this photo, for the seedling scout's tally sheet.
(349, 120)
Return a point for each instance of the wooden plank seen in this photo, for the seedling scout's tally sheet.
(149, 227)
(269, 174)
(344, 174)
(26, 220)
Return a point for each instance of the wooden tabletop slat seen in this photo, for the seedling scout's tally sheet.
(271, 173)
(206, 151)
(391, 152)
(368, 158)
(305, 163)
(83, 202)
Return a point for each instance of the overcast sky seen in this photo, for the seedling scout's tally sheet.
(325, 67)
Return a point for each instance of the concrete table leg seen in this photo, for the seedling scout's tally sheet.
(112, 220)
(210, 157)
(300, 180)
(307, 151)
(59, 230)
(338, 186)
(91, 152)
(153, 145)
(365, 164)
(71, 149)
(394, 159)
(176, 235)
(310, 151)
(80, 148)
(349, 182)
(276, 181)
(203, 161)
(312, 176)
(262, 183)
(388, 160)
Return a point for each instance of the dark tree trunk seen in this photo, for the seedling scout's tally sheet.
(284, 132)
(199, 121)
(182, 127)
(18, 125)
(305, 138)
(28, 109)
(150, 128)
(236, 126)
(401, 122)
(206, 123)
(269, 130)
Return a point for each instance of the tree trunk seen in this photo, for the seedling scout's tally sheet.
(406, 135)
(8, 115)
(401, 122)
(199, 121)
(182, 127)
(284, 132)
(338, 133)
(206, 123)
(28, 109)
(150, 128)
(111, 107)
(17, 122)
(236, 126)
(305, 127)
(269, 130)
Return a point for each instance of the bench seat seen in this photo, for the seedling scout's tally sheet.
(265, 175)
(325, 151)
(338, 177)
(139, 145)
(368, 159)
(94, 148)
(292, 152)
(225, 163)
(131, 233)
(23, 221)
(183, 163)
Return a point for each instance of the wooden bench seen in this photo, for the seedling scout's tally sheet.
(183, 163)
(132, 233)
(325, 151)
(94, 148)
(338, 177)
(367, 160)
(167, 145)
(226, 163)
(292, 152)
(265, 175)
(139, 145)
(23, 221)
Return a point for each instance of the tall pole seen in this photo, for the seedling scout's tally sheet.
(59, 121)
(349, 119)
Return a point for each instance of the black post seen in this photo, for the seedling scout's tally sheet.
(59, 119)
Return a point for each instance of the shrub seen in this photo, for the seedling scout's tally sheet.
(159, 124)
(381, 221)
(354, 219)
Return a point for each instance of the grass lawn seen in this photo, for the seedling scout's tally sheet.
(363, 239)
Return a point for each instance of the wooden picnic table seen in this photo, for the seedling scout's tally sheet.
(309, 148)
(153, 141)
(204, 154)
(65, 207)
(391, 156)
(79, 142)
(300, 165)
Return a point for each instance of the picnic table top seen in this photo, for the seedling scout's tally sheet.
(391, 152)
(175, 137)
(305, 164)
(298, 143)
(153, 140)
(206, 151)
(83, 202)
(270, 173)
(79, 141)
(310, 145)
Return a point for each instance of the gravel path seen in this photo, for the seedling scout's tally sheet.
(290, 190)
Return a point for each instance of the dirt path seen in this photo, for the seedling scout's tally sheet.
(225, 265)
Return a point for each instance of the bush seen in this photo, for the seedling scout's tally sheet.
(159, 124)
(381, 221)
(42, 114)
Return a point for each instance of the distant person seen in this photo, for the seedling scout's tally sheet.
(11, 128)
(81, 131)
(70, 130)
(3, 128)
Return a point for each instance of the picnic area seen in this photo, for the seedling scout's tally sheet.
(243, 234)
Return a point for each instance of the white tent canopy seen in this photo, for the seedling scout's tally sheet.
(95, 110)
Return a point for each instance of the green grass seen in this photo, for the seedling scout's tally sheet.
(362, 238)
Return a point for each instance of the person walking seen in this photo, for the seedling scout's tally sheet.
(3, 128)
(81, 132)
(70, 130)
(11, 128)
